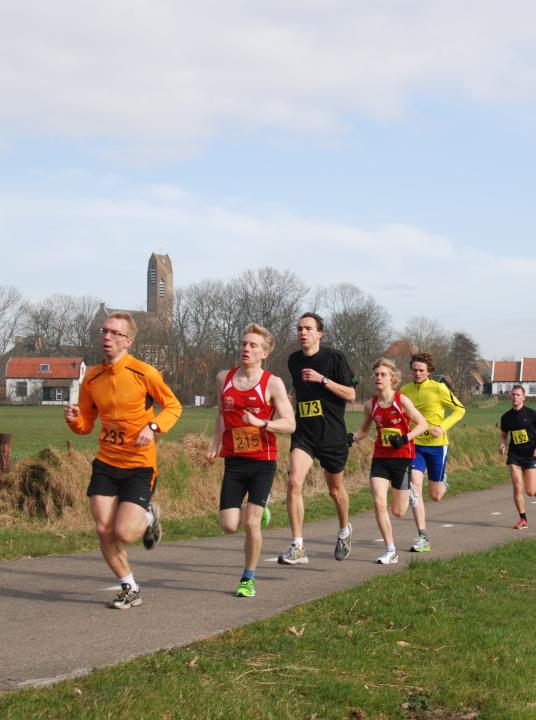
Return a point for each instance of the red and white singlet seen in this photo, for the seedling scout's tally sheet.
(245, 440)
(390, 421)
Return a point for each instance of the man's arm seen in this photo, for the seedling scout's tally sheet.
(345, 392)
(419, 422)
(81, 418)
(277, 393)
(503, 437)
(219, 426)
(449, 400)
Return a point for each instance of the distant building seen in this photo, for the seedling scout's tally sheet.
(160, 287)
(44, 380)
(507, 373)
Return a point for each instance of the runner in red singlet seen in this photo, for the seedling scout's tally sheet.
(250, 397)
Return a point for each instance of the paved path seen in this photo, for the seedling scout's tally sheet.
(55, 622)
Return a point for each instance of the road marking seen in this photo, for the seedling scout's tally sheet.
(447, 525)
(497, 513)
(270, 559)
(379, 540)
(112, 587)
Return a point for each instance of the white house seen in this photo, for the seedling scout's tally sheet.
(44, 380)
(506, 373)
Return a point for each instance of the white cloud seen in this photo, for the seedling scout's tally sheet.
(174, 74)
(101, 246)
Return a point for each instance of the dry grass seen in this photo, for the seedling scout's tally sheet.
(50, 491)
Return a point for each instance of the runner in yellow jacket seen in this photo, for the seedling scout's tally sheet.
(432, 399)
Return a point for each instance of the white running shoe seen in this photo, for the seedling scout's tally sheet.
(389, 557)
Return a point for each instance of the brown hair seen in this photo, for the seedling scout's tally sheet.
(127, 317)
(267, 337)
(423, 357)
(393, 370)
(518, 387)
(318, 320)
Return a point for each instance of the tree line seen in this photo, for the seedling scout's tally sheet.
(207, 323)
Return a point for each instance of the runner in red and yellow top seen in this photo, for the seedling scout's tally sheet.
(244, 436)
(393, 449)
(122, 391)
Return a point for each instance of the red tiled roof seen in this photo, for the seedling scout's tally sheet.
(529, 369)
(399, 348)
(30, 367)
(506, 371)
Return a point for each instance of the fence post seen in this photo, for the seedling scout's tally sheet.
(5, 451)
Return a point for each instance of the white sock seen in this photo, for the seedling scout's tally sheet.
(390, 547)
(130, 580)
(150, 517)
(344, 532)
(298, 541)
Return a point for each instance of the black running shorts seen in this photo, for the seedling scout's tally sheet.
(135, 485)
(396, 470)
(243, 477)
(526, 463)
(332, 459)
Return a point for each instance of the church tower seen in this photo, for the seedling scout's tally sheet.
(160, 287)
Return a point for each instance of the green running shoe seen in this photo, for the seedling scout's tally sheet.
(266, 517)
(421, 544)
(246, 588)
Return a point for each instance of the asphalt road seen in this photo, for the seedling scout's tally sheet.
(55, 622)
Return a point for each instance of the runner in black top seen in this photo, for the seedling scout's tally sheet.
(520, 423)
(323, 383)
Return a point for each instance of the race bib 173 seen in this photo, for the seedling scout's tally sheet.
(310, 408)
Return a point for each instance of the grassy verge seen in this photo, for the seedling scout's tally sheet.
(438, 641)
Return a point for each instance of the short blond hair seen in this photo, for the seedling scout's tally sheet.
(127, 317)
(267, 337)
(393, 370)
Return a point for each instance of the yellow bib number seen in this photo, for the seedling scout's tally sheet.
(246, 439)
(310, 408)
(385, 434)
(520, 436)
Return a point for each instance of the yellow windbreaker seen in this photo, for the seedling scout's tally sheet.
(432, 398)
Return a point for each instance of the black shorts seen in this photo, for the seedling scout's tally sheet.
(396, 470)
(135, 485)
(525, 463)
(332, 459)
(243, 477)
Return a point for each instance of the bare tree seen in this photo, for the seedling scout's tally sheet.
(427, 335)
(12, 309)
(463, 358)
(358, 326)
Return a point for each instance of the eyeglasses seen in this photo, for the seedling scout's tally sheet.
(115, 333)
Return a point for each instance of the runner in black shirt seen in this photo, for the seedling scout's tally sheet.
(520, 423)
(323, 384)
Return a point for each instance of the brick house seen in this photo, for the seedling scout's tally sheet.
(44, 380)
(506, 373)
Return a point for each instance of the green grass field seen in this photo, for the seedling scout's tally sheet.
(35, 428)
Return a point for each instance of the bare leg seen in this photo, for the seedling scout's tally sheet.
(379, 488)
(516, 475)
(418, 512)
(300, 464)
(116, 524)
(399, 502)
(337, 492)
(253, 541)
(529, 478)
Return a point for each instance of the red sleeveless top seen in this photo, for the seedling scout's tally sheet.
(246, 440)
(390, 421)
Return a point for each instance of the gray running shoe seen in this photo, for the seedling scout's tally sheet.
(343, 546)
(293, 556)
(127, 598)
(153, 534)
(389, 557)
(421, 544)
(413, 497)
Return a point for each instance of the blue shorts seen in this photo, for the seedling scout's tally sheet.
(433, 460)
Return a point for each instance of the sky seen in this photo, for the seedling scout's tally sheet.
(388, 143)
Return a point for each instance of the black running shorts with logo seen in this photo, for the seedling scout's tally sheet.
(525, 463)
(135, 485)
(396, 470)
(243, 477)
(332, 458)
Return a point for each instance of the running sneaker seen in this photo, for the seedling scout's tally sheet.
(266, 517)
(153, 534)
(413, 497)
(421, 544)
(389, 557)
(126, 598)
(521, 525)
(293, 556)
(246, 588)
(343, 546)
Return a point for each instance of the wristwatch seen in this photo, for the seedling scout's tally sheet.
(153, 426)
(325, 380)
